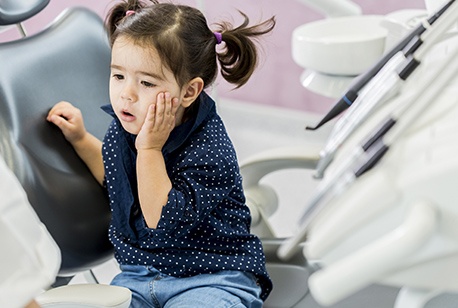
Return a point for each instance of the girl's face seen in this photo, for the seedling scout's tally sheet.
(137, 77)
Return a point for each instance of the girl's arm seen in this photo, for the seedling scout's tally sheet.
(70, 121)
(154, 183)
(89, 149)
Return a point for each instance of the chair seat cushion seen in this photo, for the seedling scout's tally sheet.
(86, 296)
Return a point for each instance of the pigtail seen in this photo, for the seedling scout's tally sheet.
(184, 42)
(117, 14)
(239, 57)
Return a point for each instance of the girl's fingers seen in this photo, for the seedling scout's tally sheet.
(68, 119)
(63, 110)
(175, 104)
(151, 115)
(169, 115)
(166, 108)
(173, 107)
(160, 107)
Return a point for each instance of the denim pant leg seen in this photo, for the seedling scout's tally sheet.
(222, 289)
(150, 288)
(138, 279)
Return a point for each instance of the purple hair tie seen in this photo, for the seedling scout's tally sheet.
(219, 37)
(130, 12)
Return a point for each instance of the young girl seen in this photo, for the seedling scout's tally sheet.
(180, 226)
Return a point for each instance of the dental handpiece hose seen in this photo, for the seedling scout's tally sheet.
(375, 84)
(405, 116)
(380, 89)
(413, 53)
(352, 93)
(408, 111)
(379, 141)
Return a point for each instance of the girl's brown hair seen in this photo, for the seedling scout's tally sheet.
(185, 43)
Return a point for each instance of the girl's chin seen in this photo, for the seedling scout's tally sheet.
(130, 128)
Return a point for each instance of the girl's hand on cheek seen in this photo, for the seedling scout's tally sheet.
(159, 122)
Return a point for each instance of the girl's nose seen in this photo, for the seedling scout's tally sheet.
(128, 93)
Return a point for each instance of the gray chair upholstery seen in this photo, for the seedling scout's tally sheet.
(67, 61)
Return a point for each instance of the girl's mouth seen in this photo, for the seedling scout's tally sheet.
(127, 116)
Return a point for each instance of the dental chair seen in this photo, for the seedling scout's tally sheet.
(69, 60)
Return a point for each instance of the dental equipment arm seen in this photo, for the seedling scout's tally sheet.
(353, 92)
(379, 142)
(385, 85)
(376, 259)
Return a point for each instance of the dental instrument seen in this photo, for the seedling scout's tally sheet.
(353, 92)
(386, 86)
(381, 87)
(376, 146)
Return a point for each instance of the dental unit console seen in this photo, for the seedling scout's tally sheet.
(385, 211)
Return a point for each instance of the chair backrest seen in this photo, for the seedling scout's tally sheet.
(69, 61)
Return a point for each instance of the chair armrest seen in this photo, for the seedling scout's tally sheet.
(86, 296)
(257, 166)
(262, 199)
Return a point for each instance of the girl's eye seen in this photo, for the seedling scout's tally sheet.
(118, 76)
(147, 84)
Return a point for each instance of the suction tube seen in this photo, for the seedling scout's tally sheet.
(352, 93)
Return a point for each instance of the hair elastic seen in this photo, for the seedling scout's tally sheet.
(219, 37)
(130, 12)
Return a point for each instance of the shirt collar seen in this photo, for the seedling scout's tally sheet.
(205, 109)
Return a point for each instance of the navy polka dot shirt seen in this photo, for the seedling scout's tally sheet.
(205, 225)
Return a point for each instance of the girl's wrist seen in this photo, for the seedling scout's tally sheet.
(80, 142)
(149, 150)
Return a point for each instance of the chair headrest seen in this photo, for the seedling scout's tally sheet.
(16, 11)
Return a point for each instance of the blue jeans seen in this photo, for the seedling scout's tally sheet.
(150, 288)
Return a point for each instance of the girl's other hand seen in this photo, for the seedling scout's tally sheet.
(159, 122)
(69, 119)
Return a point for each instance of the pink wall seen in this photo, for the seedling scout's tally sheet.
(276, 82)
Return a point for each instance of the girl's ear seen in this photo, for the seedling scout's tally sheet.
(192, 91)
